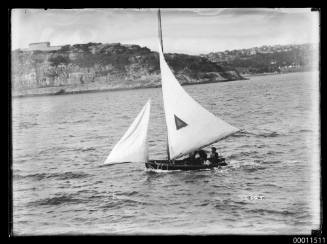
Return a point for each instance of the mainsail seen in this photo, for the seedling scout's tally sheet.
(133, 146)
(189, 125)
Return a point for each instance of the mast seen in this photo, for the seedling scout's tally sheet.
(160, 29)
(168, 157)
(161, 44)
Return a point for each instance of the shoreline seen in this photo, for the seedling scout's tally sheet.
(272, 73)
(62, 91)
(247, 75)
(264, 74)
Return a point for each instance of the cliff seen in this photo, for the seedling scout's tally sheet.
(97, 66)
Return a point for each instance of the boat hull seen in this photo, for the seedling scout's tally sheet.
(182, 165)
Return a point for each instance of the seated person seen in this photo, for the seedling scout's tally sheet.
(197, 157)
(202, 156)
(214, 154)
(192, 158)
(214, 157)
(191, 155)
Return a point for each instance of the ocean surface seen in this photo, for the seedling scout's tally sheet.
(271, 185)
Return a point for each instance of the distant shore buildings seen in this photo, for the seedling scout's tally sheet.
(229, 55)
(41, 46)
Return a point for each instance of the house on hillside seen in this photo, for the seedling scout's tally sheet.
(41, 46)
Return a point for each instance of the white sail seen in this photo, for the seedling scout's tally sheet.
(189, 125)
(133, 146)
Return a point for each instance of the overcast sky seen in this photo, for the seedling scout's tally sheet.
(191, 31)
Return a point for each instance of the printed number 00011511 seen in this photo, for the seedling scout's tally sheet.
(314, 240)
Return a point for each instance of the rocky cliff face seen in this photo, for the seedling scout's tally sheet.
(106, 66)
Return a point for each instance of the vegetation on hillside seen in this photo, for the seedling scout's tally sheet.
(267, 58)
(120, 56)
(112, 64)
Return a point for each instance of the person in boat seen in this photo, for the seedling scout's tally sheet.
(214, 155)
(201, 157)
(191, 155)
(192, 158)
(197, 157)
(216, 158)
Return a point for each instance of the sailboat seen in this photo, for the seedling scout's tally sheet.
(190, 127)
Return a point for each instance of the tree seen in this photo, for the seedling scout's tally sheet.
(59, 59)
(65, 48)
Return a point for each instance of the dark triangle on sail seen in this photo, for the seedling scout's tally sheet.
(179, 123)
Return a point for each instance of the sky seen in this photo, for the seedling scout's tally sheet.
(190, 31)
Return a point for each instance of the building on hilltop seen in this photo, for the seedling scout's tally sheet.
(41, 46)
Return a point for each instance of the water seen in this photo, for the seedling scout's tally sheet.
(59, 143)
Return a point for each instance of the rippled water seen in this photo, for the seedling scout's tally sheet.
(60, 142)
